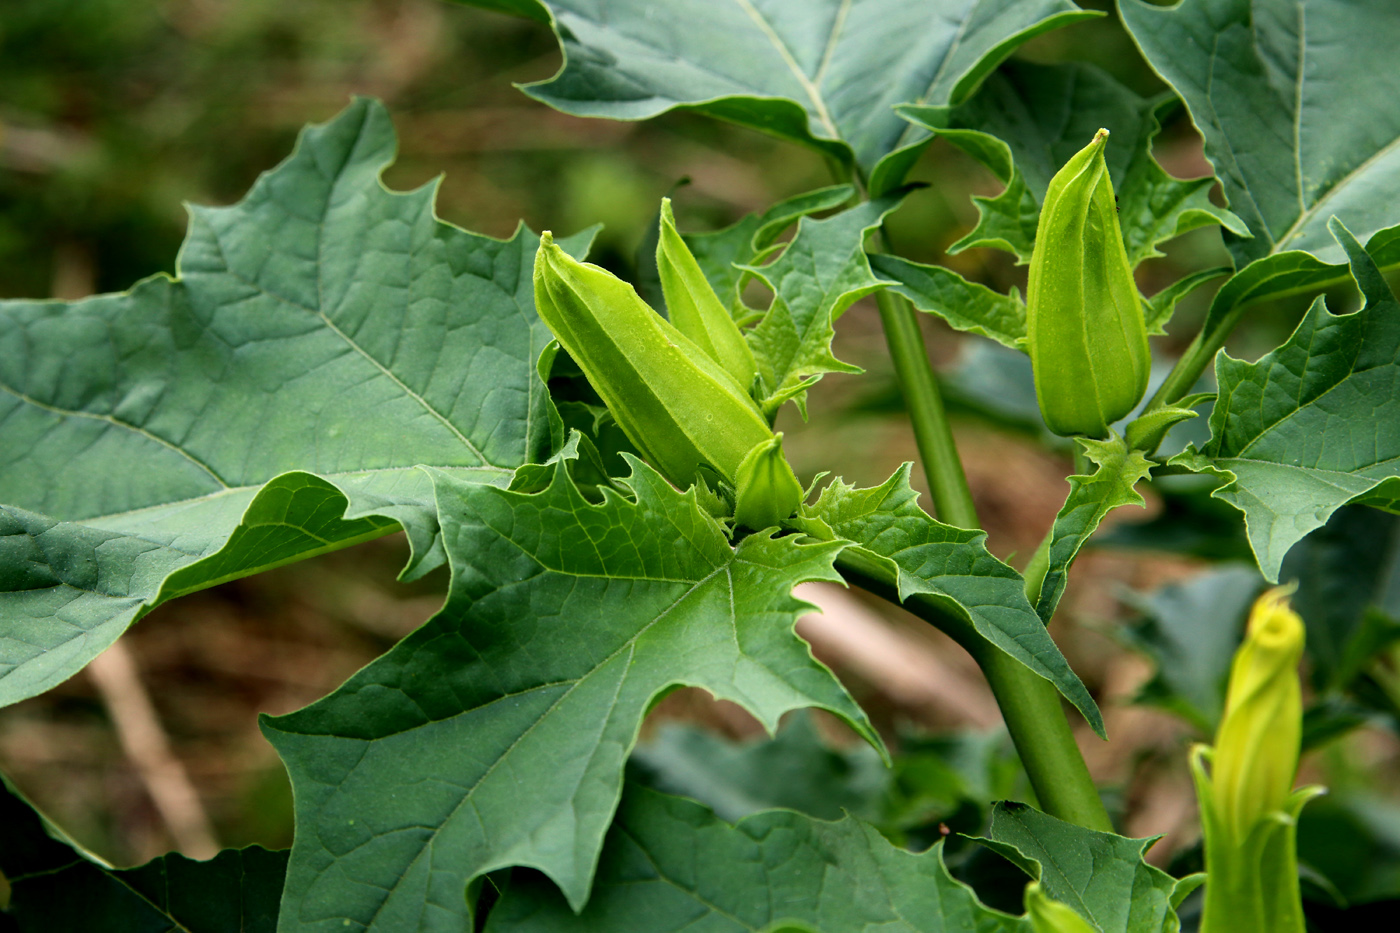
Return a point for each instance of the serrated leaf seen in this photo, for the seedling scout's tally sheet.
(1190, 631)
(496, 734)
(965, 306)
(57, 887)
(951, 565)
(669, 864)
(165, 439)
(1101, 875)
(1314, 424)
(798, 69)
(721, 253)
(818, 276)
(1295, 107)
(1299, 124)
(795, 770)
(1090, 500)
(1025, 123)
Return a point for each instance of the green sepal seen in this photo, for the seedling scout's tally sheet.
(766, 491)
(1050, 916)
(1145, 432)
(695, 309)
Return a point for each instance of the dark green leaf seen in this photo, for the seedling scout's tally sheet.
(496, 734)
(669, 865)
(161, 440)
(1190, 631)
(1101, 875)
(1313, 425)
(953, 566)
(722, 253)
(966, 306)
(1348, 566)
(56, 887)
(819, 275)
(1299, 124)
(799, 69)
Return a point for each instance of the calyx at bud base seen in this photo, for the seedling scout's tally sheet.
(680, 408)
(1085, 329)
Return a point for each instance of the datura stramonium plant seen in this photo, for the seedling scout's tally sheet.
(1085, 328)
(1249, 809)
(673, 388)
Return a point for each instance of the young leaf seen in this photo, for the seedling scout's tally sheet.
(819, 275)
(1312, 425)
(1026, 122)
(1090, 499)
(965, 306)
(496, 734)
(722, 253)
(953, 566)
(1101, 875)
(164, 439)
(798, 69)
(57, 887)
(669, 864)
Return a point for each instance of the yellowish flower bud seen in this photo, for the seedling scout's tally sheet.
(1256, 746)
(1085, 328)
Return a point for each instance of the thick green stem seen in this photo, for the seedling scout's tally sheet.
(1030, 704)
(952, 500)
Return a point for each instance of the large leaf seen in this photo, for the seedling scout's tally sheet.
(165, 439)
(1313, 425)
(669, 865)
(1298, 108)
(818, 276)
(826, 73)
(57, 887)
(1100, 875)
(1300, 113)
(951, 565)
(496, 734)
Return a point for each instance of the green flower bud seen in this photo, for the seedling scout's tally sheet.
(1050, 916)
(1084, 322)
(680, 409)
(1256, 747)
(766, 491)
(695, 309)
